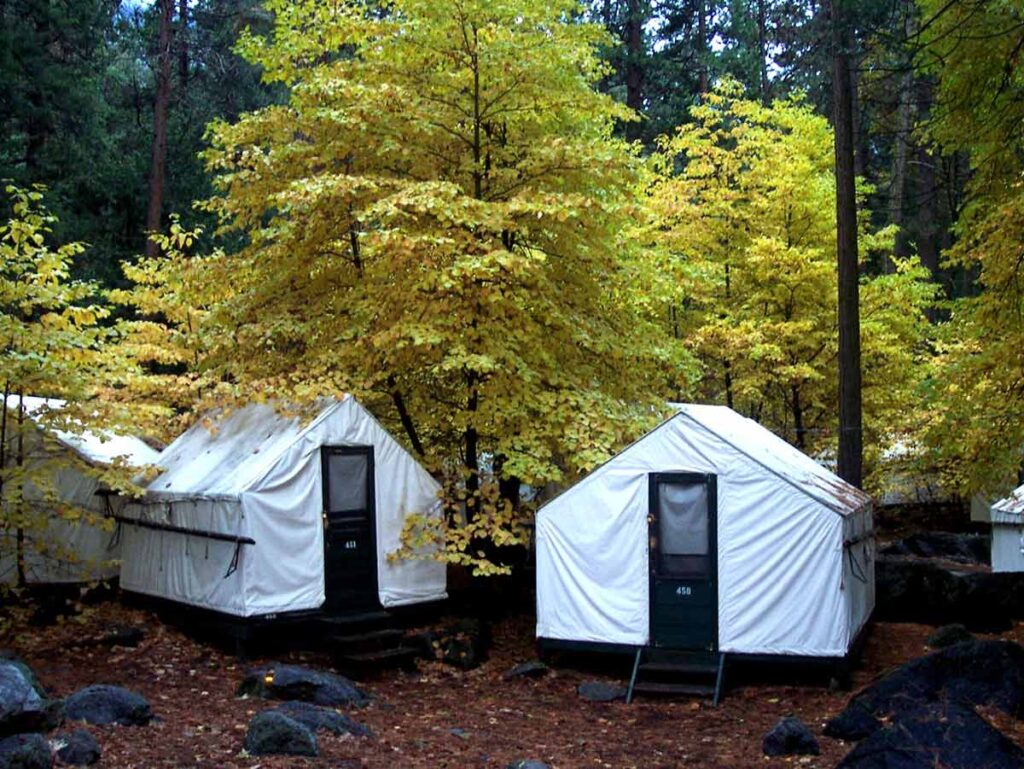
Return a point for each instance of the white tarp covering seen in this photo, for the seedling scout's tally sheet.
(69, 550)
(1007, 517)
(257, 473)
(786, 583)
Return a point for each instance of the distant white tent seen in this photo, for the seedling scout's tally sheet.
(260, 512)
(712, 534)
(1007, 517)
(70, 549)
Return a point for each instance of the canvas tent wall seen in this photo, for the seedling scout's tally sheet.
(240, 520)
(1007, 518)
(790, 545)
(69, 548)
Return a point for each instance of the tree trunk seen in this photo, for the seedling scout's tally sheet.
(850, 418)
(798, 418)
(901, 148)
(158, 158)
(19, 508)
(634, 34)
(762, 49)
(704, 85)
(182, 44)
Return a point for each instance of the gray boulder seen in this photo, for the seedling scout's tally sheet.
(24, 706)
(852, 724)
(297, 683)
(528, 764)
(972, 673)
(79, 748)
(601, 691)
(938, 734)
(936, 593)
(275, 734)
(790, 737)
(531, 669)
(947, 635)
(105, 704)
(316, 718)
(949, 546)
(25, 751)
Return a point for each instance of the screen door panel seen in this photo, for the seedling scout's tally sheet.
(684, 599)
(346, 483)
(350, 546)
(683, 529)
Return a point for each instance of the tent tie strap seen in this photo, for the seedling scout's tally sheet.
(855, 568)
(233, 565)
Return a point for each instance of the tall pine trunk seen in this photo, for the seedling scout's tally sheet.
(901, 146)
(850, 417)
(634, 63)
(158, 158)
(704, 85)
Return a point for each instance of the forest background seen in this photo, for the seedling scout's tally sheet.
(516, 229)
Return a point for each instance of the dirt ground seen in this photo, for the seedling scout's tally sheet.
(439, 717)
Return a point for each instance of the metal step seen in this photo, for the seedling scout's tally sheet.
(662, 687)
(351, 620)
(385, 637)
(365, 662)
(680, 668)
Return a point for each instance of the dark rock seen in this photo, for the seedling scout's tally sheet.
(601, 691)
(275, 734)
(532, 669)
(462, 734)
(937, 734)
(853, 724)
(24, 706)
(104, 704)
(971, 673)
(25, 751)
(947, 635)
(293, 682)
(528, 764)
(915, 590)
(122, 635)
(79, 748)
(465, 644)
(50, 607)
(426, 643)
(790, 737)
(316, 717)
(949, 546)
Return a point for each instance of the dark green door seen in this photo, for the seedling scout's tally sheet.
(684, 566)
(350, 542)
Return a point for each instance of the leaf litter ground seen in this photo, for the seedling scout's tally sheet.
(440, 717)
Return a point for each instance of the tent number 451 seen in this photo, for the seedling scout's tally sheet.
(351, 544)
(684, 590)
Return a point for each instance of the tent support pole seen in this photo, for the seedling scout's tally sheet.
(719, 679)
(234, 538)
(632, 678)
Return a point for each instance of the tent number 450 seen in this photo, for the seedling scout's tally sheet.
(684, 590)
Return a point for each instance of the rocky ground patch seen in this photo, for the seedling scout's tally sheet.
(443, 716)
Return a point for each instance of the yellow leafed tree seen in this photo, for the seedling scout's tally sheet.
(745, 206)
(436, 221)
(54, 345)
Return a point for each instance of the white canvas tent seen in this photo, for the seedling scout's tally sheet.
(708, 533)
(241, 521)
(1007, 516)
(71, 548)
